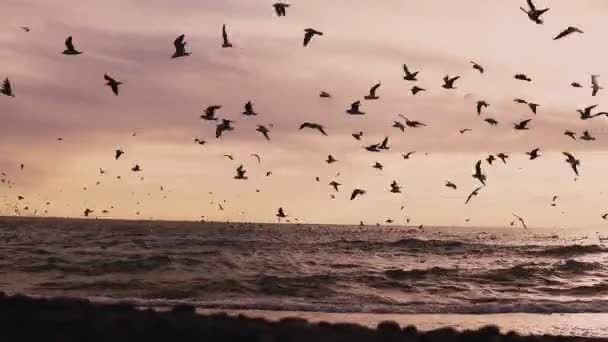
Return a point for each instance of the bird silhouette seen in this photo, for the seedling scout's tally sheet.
(491, 121)
(464, 130)
(373, 148)
(534, 153)
(586, 113)
(521, 220)
(180, 47)
(358, 135)
(395, 187)
(576, 85)
(503, 156)
(331, 159)
(570, 134)
(416, 89)
(473, 194)
(70, 50)
(448, 82)
(481, 105)
(574, 163)
(199, 141)
(225, 41)
(118, 153)
(136, 168)
(249, 109)
(280, 8)
(523, 77)
(87, 212)
(522, 101)
(7, 89)
(587, 136)
(25, 28)
(384, 144)
(281, 213)
(522, 125)
(325, 94)
(570, 30)
(378, 166)
(399, 125)
(335, 185)
(479, 173)
(490, 159)
(240, 173)
(478, 67)
(226, 125)
(112, 83)
(229, 156)
(354, 108)
(262, 129)
(412, 123)
(407, 155)
(533, 107)
(210, 112)
(534, 13)
(356, 193)
(449, 184)
(595, 86)
(313, 125)
(372, 92)
(309, 33)
(409, 75)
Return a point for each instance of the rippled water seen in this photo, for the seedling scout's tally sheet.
(307, 268)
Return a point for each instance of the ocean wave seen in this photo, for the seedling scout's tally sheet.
(571, 250)
(419, 273)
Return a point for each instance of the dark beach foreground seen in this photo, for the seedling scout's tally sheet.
(64, 319)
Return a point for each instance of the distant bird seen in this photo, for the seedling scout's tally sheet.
(503, 157)
(478, 67)
(586, 112)
(410, 76)
(22, 167)
(411, 123)
(407, 155)
(378, 166)
(225, 41)
(7, 89)
(309, 33)
(595, 86)
(240, 173)
(257, 156)
(491, 121)
(249, 109)
(384, 144)
(570, 30)
(574, 163)
(523, 223)
(118, 153)
(262, 129)
(180, 47)
(281, 213)
(335, 185)
(354, 109)
(222, 127)
(372, 92)
(534, 153)
(358, 135)
(112, 83)
(25, 28)
(534, 13)
(451, 185)
(472, 194)
(533, 106)
(20, 198)
(416, 89)
(210, 111)
(280, 8)
(523, 77)
(313, 125)
(576, 85)
(136, 168)
(570, 134)
(522, 125)
(522, 101)
(268, 174)
(605, 216)
(481, 105)
(331, 159)
(479, 173)
(587, 136)
(448, 82)
(399, 125)
(490, 159)
(325, 94)
(395, 187)
(87, 212)
(357, 192)
(69, 48)
(464, 130)
(229, 156)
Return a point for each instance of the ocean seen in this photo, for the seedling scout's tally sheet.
(308, 268)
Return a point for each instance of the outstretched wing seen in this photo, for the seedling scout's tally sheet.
(69, 44)
(372, 91)
(179, 42)
(307, 37)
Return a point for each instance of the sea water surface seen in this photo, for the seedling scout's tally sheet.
(307, 268)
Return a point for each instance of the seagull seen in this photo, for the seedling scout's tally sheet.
(372, 92)
(199, 141)
(224, 126)
(416, 89)
(25, 28)
(474, 193)
(384, 144)
(481, 105)
(249, 109)
(586, 112)
(309, 33)
(477, 67)
(410, 76)
(240, 173)
(209, 114)
(576, 85)
(6, 88)
(491, 121)
(313, 125)
(378, 166)
(522, 125)
(605, 216)
(553, 200)
(595, 85)
(87, 212)
(225, 41)
(280, 8)
(587, 136)
(229, 156)
(331, 159)
(112, 83)
(570, 30)
(523, 77)
(574, 163)
(490, 159)
(522, 101)
(503, 157)
(570, 134)
(335, 185)
(118, 153)
(262, 129)
(69, 48)
(533, 13)
(281, 213)
(413, 124)
(521, 220)
(407, 155)
(399, 125)
(533, 107)
(180, 47)
(479, 174)
(357, 192)
(358, 135)
(534, 153)
(395, 187)
(354, 109)
(464, 130)
(325, 94)
(448, 83)
(136, 168)
(451, 185)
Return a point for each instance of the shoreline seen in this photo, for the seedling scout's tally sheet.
(69, 319)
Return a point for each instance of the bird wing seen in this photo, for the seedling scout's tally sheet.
(179, 41)
(478, 168)
(6, 85)
(531, 5)
(257, 156)
(479, 106)
(224, 33)
(372, 91)
(307, 37)
(407, 71)
(474, 193)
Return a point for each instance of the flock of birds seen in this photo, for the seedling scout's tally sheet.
(224, 125)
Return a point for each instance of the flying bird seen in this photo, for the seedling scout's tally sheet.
(378, 166)
(410, 76)
(479, 173)
(384, 144)
(281, 213)
(225, 41)
(229, 156)
(534, 13)
(335, 185)
(262, 129)
(357, 192)
(180, 47)
(522, 101)
(358, 135)
(503, 157)
(464, 130)
(520, 220)
(118, 153)
(491, 121)
(448, 82)
(523, 77)
(472, 194)
(576, 85)
(249, 109)
(7, 89)
(595, 86)
(372, 92)
(411, 123)
(533, 107)
(309, 33)
(112, 83)
(354, 109)
(451, 185)
(574, 163)
(257, 156)
(395, 187)
(87, 212)
(325, 94)
(522, 125)
(586, 112)
(25, 28)
(280, 8)
(222, 127)
(240, 173)
(490, 159)
(570, 30)
(69, 48)
(199, 141)
(136, 168)
(587, 136)
(210, 112)
(313, 125)
(416, 89)
(399, 125)
(331, 159)
(481, 105)
(534, 153)
(407, 155)
(478, 67)
(570, 134)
